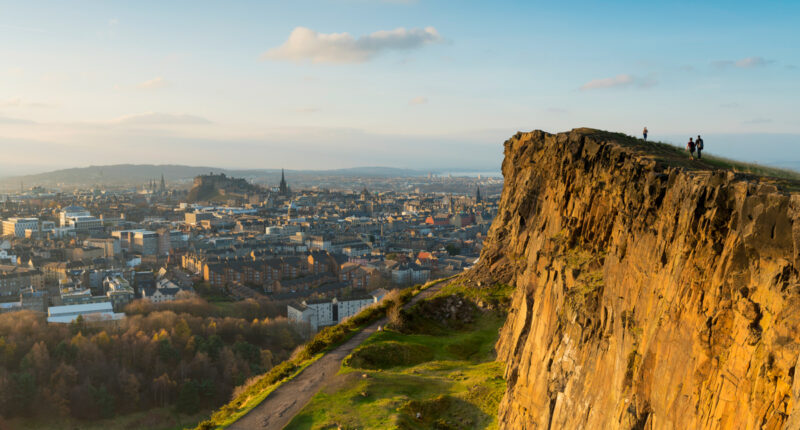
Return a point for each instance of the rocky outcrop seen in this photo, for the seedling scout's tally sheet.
(652, 292)
(220, 187)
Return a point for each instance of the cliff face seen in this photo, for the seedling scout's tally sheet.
(650, 293)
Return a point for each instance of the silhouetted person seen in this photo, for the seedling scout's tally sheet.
(644, 133)
(699, 144)
(690, 147)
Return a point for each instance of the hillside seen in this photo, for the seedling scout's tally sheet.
(139, 174)
(651, 291)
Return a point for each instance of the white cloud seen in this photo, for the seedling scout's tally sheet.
(157, 118)
(112, 22)
(305, 44)
(744, 63)
(418, 100)
(619, 81)
(154, 83)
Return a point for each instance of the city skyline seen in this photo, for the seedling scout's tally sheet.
(412, 84)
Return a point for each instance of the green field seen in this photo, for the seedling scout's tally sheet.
(450, 378)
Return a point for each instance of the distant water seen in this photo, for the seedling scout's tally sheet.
(473, 173)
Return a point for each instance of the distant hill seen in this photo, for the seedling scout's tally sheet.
(140, 174)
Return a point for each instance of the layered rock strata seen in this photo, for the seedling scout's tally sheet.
(652, 291)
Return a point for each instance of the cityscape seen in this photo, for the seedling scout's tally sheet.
(399, 215)
(88, 253)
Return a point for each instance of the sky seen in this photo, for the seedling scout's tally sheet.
(417, 84)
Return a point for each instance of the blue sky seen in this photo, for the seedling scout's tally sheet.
(421, 84)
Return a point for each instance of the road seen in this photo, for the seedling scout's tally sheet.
(287, 400)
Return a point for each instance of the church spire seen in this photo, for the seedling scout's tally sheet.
(284, 189)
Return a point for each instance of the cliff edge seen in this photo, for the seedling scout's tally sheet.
(651, 291)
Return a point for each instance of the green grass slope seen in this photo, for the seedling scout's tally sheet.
(427, 373)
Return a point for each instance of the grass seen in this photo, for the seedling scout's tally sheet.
(327, 339)
(450, 378)
(495, 295)
(675, 156)
(256, 394)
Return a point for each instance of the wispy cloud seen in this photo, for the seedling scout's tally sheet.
(619, 81)
(308, 109)
(305, 44)
(744, 63)
(158, 118)
(418, 100)
(19, 103)
(10, 120)
(113, 22)
(154, 83)
(757, 121)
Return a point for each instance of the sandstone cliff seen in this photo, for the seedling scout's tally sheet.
(651, 292)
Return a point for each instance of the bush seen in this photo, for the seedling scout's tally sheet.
(389, 354)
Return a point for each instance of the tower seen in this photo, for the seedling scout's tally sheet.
(284, 189)
(163, 187)
(478, 194)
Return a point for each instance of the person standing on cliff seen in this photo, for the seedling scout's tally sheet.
(644, 133)
(699, 144)
(690, 146)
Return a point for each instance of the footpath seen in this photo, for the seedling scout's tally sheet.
(287, 400)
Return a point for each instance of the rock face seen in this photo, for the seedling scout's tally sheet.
(220, 187)
(651, 292)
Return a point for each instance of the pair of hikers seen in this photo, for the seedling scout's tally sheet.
(695, 145)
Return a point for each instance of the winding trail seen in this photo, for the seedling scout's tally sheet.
(287, 400)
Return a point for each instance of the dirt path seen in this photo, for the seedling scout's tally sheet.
(285, 402)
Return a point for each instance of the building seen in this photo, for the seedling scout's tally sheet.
(163, 291)
(118, 290)
(171, 239)
(358, 276)
(109, 246)
(326, 312)
(70, 212)
(195, 218)
(90, 311)
(410, 273)
(16, 226)
(79, 219)
(14, 279)
(144, 242)
(283, 188)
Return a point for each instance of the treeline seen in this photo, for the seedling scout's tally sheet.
(247, 309)
(153, 358)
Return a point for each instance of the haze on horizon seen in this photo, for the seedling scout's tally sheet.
(401, 83)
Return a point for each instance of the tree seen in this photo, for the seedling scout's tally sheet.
(23, 391)
(163, 387)
(188, 398)
(452, 249)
